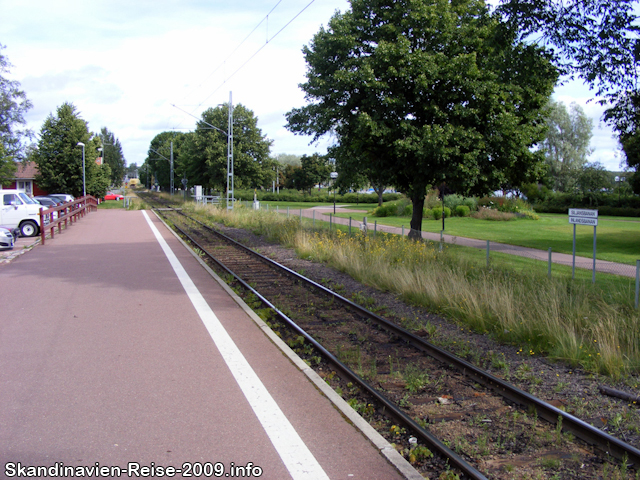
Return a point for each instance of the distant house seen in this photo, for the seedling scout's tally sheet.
(25, 179)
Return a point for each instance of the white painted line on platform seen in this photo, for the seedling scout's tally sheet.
(292, 450)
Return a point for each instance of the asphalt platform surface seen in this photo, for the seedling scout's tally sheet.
(119, 350)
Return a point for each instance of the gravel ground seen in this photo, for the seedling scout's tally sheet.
(564, 386)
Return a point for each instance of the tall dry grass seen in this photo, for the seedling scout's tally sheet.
(559, 318)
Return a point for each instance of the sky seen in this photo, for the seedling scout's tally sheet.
(125, 64)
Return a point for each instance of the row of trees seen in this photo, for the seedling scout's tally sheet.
(200, 156)
(56, 153)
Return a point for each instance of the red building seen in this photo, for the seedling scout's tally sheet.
(25, 179)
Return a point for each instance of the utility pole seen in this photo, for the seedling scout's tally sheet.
(171, 173)
(230, 196)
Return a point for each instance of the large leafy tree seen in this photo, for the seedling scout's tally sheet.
(566, 145)
(59, 157)
(13, 133)
(426, 91)
(112, 155)
(205, 151)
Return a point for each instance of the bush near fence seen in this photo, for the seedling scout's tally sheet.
(315, 196)
(606, 204)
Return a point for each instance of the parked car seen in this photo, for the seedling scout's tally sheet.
(7, 238)
(64, 197)
(113, 196)
(47, 201)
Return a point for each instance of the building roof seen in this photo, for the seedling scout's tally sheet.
(26, 171)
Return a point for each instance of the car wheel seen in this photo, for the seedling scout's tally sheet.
(29, 228)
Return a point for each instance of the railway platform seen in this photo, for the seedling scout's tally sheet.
(121, 356)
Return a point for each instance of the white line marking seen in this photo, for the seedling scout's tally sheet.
(292, 450)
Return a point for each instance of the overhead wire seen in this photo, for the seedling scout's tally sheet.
(256, 52)
(251, 57)
(266, 17)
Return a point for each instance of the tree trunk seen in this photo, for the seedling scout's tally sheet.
(379, 191)
(416, 218)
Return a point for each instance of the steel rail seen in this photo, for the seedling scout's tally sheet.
(427, 437)
(582, 430)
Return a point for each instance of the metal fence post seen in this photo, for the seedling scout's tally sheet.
(637, 281)
(402, 232)
(300, 215)
(375, 228)
(593, 277)
(314, 219)
(287, 212)
(349, 226)
(549, 274)
(488, 250)
(330, 221)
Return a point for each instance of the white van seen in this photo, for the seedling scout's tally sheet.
(18, 210)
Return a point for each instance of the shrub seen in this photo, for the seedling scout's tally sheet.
(437, 212)
(462, 211)
(395, 209)
(621, 212)
(491, 202)
(351, 198)
(385, 210)
(288, 195)
(427, 213)
(471, 202)
(452, 201)
(431, 200)
(485, 213)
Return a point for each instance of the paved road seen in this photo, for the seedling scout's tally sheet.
(117, 346)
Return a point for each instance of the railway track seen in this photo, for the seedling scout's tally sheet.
(414, 392)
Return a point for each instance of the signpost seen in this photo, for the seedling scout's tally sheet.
(581, 216)
(334, 176)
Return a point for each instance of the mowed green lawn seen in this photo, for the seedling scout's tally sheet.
(110, 204)
(618, 238)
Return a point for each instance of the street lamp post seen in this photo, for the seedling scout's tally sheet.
(619, 180)
(84, 182)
